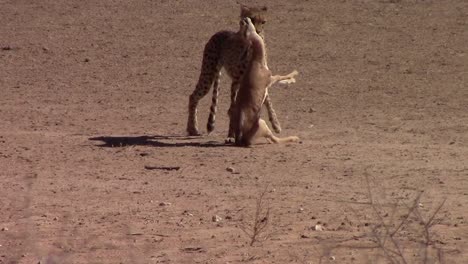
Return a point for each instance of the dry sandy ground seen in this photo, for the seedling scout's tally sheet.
(93, 111)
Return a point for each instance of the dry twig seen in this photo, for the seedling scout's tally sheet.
(258, 229)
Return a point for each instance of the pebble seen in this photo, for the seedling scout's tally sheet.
(216, 218)
(230, 169)
(318, 227)
(187, 213)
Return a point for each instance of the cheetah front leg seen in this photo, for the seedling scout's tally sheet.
(207, 77)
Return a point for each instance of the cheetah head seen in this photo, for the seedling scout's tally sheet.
(256, 14)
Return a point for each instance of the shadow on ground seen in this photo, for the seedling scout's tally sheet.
(155, 141)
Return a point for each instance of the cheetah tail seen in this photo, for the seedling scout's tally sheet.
(214, 105)
(272, 115)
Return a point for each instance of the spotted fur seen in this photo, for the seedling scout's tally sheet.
(230, 50)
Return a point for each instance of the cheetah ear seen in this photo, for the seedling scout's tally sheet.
(245, 10)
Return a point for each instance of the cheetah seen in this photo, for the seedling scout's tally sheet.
(253, 90)
(226, 49)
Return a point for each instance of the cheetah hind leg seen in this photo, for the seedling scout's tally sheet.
(206, 80)
(214, 105)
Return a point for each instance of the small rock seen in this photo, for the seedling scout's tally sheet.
(332, 258)
(4, 228)
(187, 213)
(56, 218)
(311, 110)
(301, 210)
(216, 218)
(318, 227)
(420, 205)
(164, 204)
(230, 169)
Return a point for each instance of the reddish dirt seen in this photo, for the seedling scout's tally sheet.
(94, 96)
